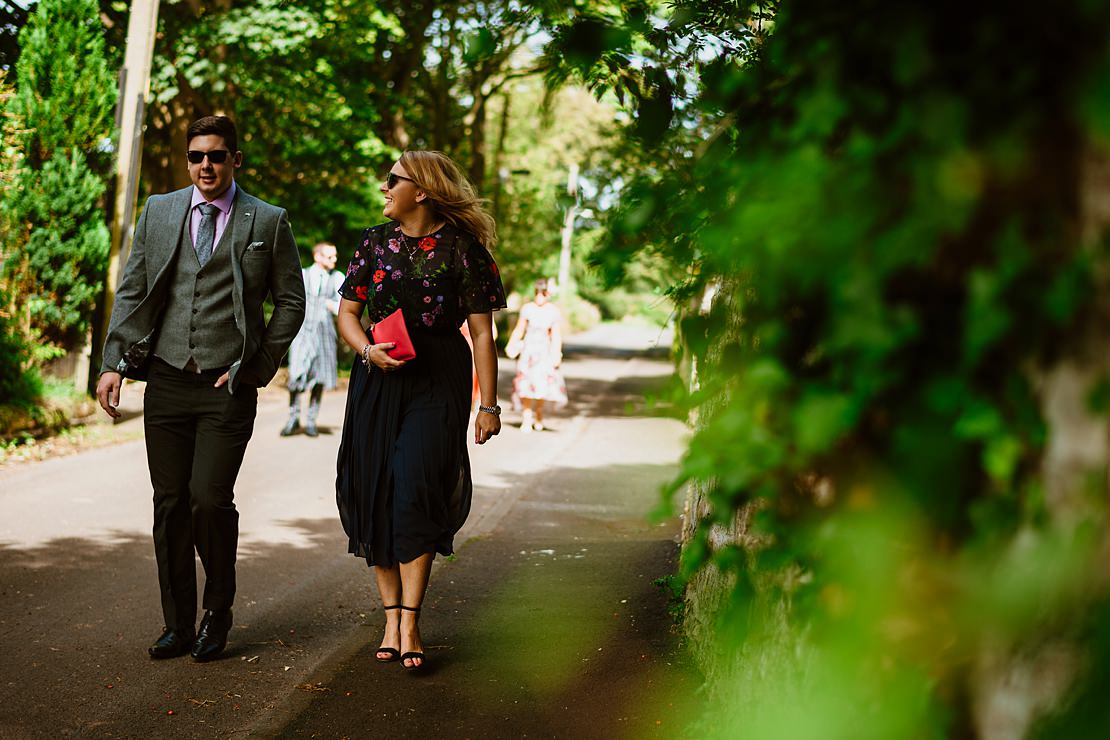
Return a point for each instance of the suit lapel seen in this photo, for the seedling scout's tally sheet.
(179, 215)
(237, 235)
(239, 227)
(171, 233)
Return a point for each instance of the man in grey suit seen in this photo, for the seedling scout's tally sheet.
(188, 318)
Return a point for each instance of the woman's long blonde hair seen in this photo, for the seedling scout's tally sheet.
(451, 194)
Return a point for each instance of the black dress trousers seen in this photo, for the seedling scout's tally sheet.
(196, 435)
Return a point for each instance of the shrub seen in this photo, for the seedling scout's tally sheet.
(62, 108)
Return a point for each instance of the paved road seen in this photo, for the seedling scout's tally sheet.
(545, 625)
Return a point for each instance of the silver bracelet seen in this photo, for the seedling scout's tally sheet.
(495, 409)
(366, 355)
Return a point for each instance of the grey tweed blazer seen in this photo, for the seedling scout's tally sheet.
(274, 269)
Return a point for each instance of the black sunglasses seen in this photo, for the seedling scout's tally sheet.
(392, 178)
(216, 156)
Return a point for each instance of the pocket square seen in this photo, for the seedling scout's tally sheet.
(255, 246)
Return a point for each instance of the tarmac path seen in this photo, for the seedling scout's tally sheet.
(545, 624)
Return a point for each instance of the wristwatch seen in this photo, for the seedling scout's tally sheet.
(495, 410)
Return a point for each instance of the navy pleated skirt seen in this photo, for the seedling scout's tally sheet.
(403, 480)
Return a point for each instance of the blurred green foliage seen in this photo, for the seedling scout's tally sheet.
(886, 203)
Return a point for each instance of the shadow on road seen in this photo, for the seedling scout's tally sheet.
(632, 396)
(550, 624)
(552, 627)
(77, 615)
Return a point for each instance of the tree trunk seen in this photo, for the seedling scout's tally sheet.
(443, 102)
(406, 60)
(1015, 684)
(477, 133)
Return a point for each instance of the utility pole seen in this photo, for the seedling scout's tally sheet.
(134, 87)
(568, 227)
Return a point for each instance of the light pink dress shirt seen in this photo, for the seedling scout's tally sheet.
(223, 203)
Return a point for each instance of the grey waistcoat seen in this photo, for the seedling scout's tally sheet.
(199, 318)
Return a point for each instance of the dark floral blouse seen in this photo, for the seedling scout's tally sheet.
(436, 280)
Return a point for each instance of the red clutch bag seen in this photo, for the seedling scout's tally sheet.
(392, 329)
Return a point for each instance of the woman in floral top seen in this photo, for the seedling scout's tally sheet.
(403, 485)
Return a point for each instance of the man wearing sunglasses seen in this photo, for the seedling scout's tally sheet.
(188, 319)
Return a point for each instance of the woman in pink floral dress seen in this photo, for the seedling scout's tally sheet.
(538, 380)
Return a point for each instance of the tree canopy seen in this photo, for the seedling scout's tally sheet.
(327, 93)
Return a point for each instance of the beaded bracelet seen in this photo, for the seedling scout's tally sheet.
(366, 350)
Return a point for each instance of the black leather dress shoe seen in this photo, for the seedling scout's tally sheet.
(291, 427)
(212, 637)
(172, 644)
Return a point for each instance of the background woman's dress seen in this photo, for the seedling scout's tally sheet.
(537, 372)
(403, 483)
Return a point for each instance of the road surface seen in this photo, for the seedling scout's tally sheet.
(547, 623)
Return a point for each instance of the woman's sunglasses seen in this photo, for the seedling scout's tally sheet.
(216, 156)
(392, 178)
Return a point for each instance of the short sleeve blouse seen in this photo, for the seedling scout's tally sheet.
(436, 280)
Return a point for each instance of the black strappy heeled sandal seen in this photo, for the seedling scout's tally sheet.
(394, 653)
(412, 653)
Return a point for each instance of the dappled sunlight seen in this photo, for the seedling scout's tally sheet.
(552, 626)
(299, 534)
(80, 612)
